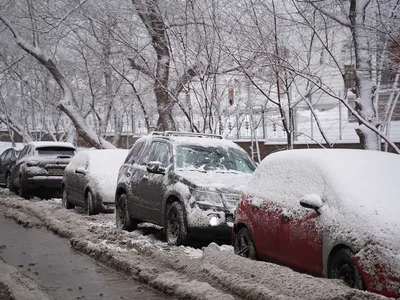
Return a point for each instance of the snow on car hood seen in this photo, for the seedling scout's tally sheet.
(216, 180)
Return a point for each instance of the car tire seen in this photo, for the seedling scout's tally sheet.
(122, 218)
(342, 267)
(175, 225)
(22, 192)
(91, 208)
(64, 199)
(244, 245)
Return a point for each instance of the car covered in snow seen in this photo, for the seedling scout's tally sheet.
(40, 167)
(7, 160)
(90, 180)
(331, 213)
(187, 183)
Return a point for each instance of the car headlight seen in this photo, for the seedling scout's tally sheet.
(32, 163)
(206, 198)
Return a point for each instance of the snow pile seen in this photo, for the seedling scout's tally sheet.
(184, 272)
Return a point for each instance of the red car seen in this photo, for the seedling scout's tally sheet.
(330, 213)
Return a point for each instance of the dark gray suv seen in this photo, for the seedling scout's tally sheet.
(187, 183)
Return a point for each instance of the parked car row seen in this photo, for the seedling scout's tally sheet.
(329, 213)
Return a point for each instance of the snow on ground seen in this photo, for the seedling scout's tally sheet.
(213, 272)
(16, 286)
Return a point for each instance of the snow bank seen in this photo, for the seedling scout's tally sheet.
(184, 272)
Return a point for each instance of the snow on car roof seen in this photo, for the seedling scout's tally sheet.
(51, 144)
(206, 141)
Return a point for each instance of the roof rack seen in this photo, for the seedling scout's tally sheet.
(189, 134)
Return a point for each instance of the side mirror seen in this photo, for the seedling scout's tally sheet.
(312, 201)
(155, 167)
(80, 170)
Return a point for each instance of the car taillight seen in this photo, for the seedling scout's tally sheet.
(120, 168)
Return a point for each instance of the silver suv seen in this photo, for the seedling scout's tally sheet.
(187, 183)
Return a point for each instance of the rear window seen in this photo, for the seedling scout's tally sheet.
(59, 152)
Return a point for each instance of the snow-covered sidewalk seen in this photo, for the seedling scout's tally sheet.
(213, 272)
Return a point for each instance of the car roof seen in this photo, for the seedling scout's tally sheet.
(191, 138)
(51, 144)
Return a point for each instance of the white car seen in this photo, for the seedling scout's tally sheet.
(90, 180)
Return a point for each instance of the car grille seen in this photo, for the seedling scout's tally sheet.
(55, 172)
(231, 199)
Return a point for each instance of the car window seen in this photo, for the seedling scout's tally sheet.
(24, 151)
(8, 155)
(56, 151)
(3, 155)
(159, 151)
(213, 159)
(135, 152)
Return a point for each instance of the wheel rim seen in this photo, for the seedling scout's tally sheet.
(173, 225)
(121, 212)
(243, 245)
(345, 272)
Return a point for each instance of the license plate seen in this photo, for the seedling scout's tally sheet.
(56, 172)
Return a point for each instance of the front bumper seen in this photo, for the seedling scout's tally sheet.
(210, 222)
(38, 182)
(380, 270)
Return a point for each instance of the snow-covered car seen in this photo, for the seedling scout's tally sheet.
(187, 183)
(7, 160)
(331, 213)
(90, 180)
(40, 167)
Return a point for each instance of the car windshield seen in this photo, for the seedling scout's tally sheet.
(59, 152)
(222, 159)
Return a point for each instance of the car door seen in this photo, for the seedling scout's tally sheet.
(266, 226)
(148, 187)
(77, 179)
(3, 165)
(300, 242)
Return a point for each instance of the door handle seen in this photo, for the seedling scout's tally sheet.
(285, 217)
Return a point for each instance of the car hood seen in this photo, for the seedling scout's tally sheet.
(215, 180)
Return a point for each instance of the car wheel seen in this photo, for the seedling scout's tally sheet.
(90, 205)
(123, 220)
(64, 199)
(244, 245)
(22, 192)
(342, 267)
(175, 226)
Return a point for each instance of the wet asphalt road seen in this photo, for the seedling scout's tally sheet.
(62, 272)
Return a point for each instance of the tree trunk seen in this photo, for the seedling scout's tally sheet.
(364, 100)
(152, 18)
